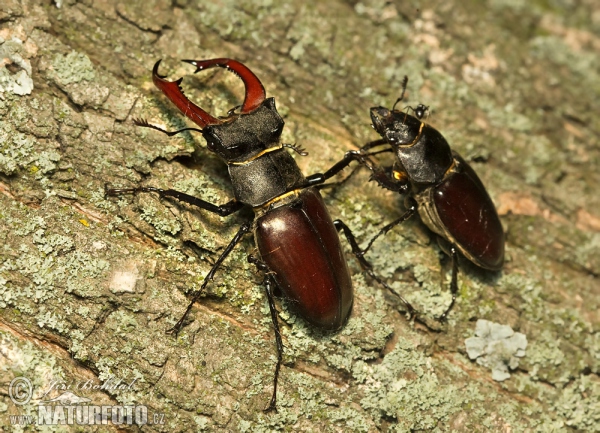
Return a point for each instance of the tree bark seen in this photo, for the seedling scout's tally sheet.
(89, 284)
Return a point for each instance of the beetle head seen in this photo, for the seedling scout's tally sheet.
(238, 136)
(396, 127)
(246, 135)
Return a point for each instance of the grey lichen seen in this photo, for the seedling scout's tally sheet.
(72, 68)
(16, 149)
(407, 387)
(497, 347)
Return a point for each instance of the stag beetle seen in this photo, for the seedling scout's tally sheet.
(298, 244)
(440, 186)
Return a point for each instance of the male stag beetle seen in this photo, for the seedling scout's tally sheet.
(441, 187)
(300, 250)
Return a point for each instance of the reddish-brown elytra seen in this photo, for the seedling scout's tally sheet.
(306, 227)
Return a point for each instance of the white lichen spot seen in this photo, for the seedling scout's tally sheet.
(125, 280)
(20, 82)
(99, 245)
(497, 347)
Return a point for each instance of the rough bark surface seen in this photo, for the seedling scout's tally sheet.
(88, 286)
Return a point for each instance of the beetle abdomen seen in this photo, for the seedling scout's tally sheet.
(300, 244)
(469, 216)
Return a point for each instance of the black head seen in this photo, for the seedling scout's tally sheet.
(396, 127)
(240, 136)
(245, 135)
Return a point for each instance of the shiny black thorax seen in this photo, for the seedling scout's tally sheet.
(260, 168)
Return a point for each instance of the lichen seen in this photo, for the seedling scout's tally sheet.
(497, 347)
(73, 68)
(18, 83)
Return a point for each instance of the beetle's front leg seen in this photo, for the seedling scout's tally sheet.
(380, 175)
(349, 157)
(221, 210)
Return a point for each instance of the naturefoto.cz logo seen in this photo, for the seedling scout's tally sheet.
(69, 408)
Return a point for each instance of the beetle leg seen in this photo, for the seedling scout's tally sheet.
(245, 228)
(339, 182)
(378, 173)
(350, 156)
(359, 254)
(222, 210)
(383, 178)
(453, 283)
(377, 152)
(269, 283)
(372, 144)
(319, 178)
(409, 213)
(298, 149)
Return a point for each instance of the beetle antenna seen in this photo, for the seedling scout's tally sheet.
(404, 84)
(298, 149)
(144, 123)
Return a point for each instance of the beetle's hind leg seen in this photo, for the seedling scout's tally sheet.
(453, 283)
(269, 283)
(245, 228)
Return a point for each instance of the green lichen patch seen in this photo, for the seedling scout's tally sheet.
(73, 68)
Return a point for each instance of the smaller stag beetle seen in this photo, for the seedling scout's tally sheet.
(298, 244)
(442, 188)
